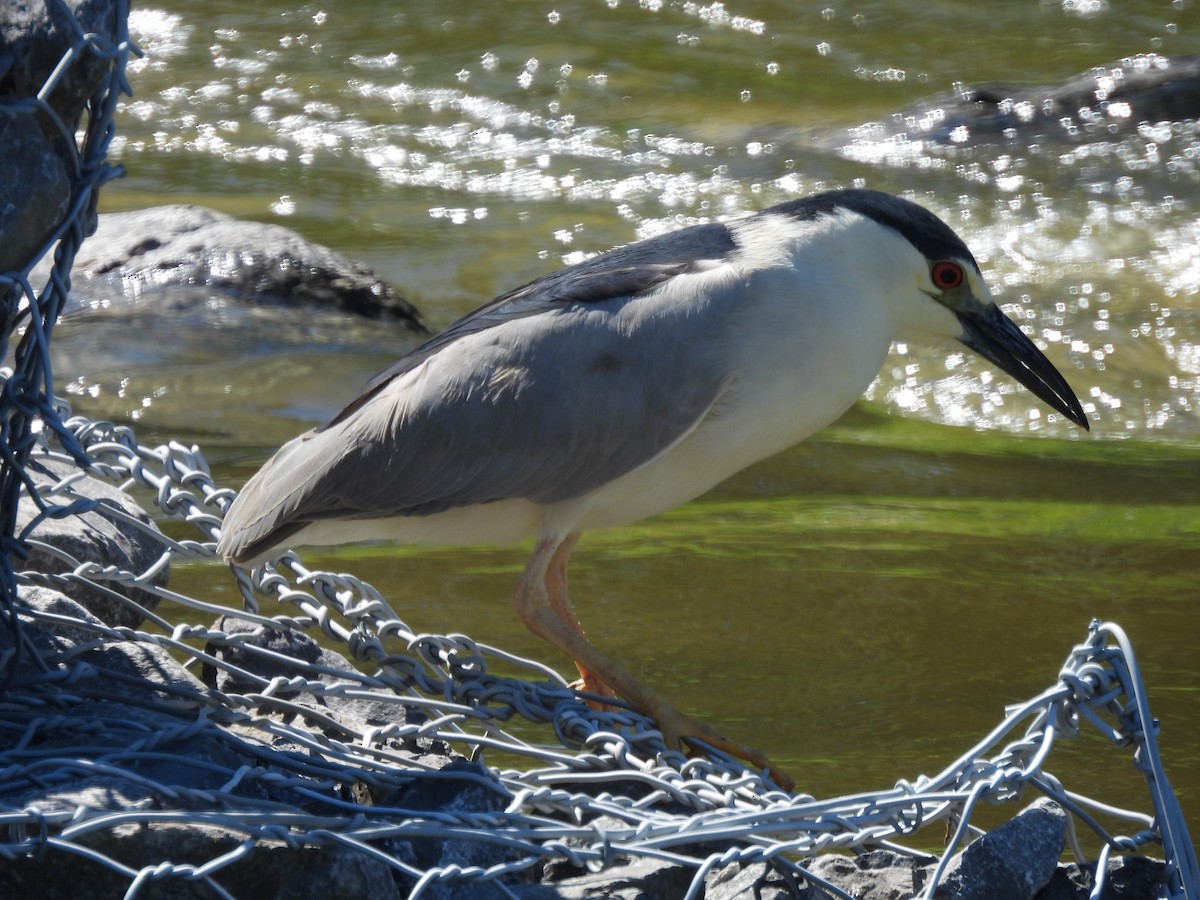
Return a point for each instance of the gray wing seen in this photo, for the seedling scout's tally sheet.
(624, 272)
(546, 393)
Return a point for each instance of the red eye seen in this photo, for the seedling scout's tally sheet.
(946, 275)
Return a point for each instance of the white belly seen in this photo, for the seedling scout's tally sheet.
(774, 415)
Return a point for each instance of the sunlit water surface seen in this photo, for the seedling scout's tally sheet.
(863, 606)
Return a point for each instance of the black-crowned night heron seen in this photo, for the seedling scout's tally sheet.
(629, 384)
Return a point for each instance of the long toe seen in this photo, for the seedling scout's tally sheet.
(589, 683)
(681, 730)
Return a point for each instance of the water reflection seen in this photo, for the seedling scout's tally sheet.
(505, 126)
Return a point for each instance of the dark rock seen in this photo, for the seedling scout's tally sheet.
(35, 153)
(34, 37)
(460, 788)
(1070, 882)
(133, 252)
(295, 645)
(101, 536)
(270, 872)
(1141, 89)
(1012, 862)
(1131, 877)
(35, 191)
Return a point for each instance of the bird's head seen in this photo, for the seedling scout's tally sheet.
(948, 280)
(957, 285)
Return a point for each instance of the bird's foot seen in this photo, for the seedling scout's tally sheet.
(680, 730)
(590, 684)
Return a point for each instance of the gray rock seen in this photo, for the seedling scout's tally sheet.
(117, 667)
(52, 639)
(34, 36)
(104, 675)
(879, 875)
(1012, 862)
(355, 713)
(270, 872)
(639, 879)
(757, 881)
(100, 536)
(107, 727)
(133, 252)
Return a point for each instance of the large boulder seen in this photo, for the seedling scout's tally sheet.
(132, 253)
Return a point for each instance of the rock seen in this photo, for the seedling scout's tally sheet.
(141, 666)
(35, 191)
(757, 881)
(102, 677)
(639, 879)
(1140, 89)
(134, 252)
(1120, 97)
(165, 774)
(271, 871)
(35, 157)
(466, 788)
(1012, 862)
(285, 641)
(355, 713)
(100, 536)
(34, 37)
(879, 875)
(1126, 878)
(51, 640)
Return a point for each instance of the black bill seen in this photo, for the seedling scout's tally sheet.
(997, 339)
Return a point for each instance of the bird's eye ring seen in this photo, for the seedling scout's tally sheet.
(946, 275)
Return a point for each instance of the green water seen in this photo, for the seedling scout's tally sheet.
(862, 607)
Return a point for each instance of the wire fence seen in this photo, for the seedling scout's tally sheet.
(292, 758)
(570, 804)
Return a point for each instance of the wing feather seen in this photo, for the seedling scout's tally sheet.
(546, 394)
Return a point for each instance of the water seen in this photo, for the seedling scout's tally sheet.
(863, 606)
